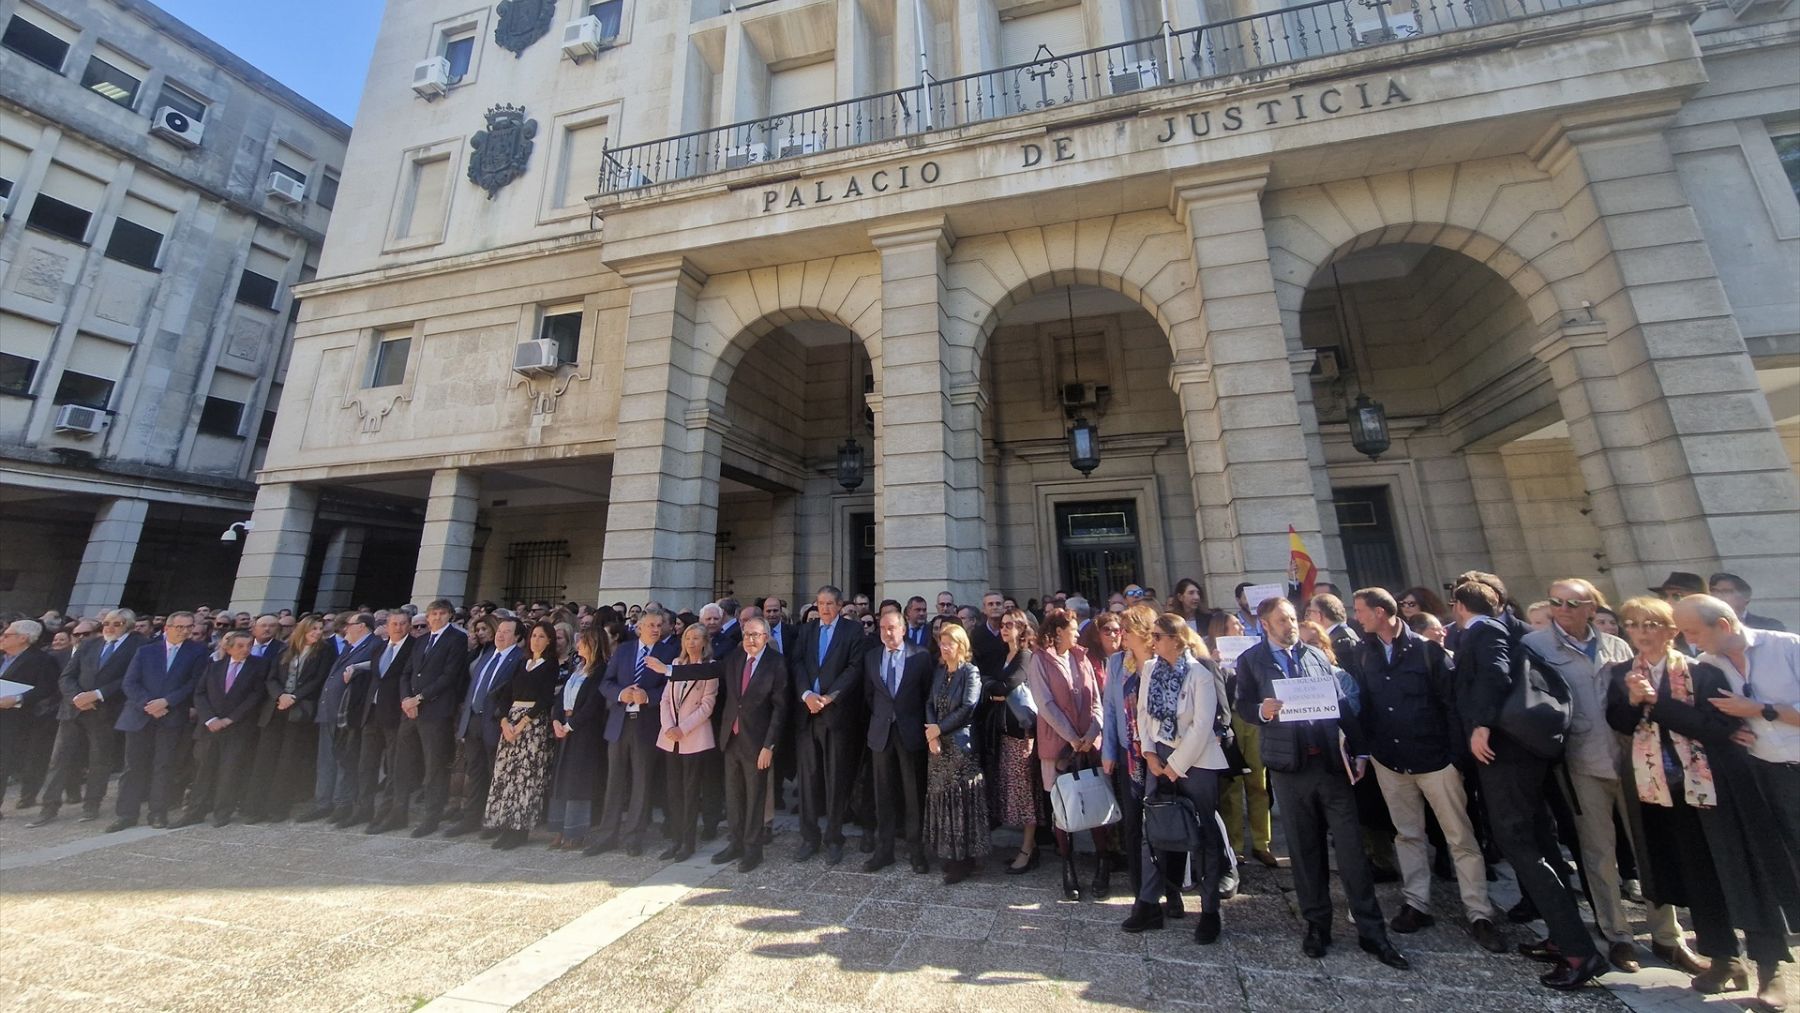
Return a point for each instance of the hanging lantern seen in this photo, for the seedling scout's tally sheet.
(1368, 427)
(850, 464)
(1084, 446)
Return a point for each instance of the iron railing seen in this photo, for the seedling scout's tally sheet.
(1219, 49)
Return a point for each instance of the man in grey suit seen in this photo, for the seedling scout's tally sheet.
(91, 694)
(334, 773)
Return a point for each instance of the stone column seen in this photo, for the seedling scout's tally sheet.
(1673, 434)
(337, 574)
(274, 558)
(106, 562)
(663, 507)
(446, 542)
(929, 475)
(1241, 413)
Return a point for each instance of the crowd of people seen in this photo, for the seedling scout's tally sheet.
(1406, 735)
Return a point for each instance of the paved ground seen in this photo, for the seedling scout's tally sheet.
(299, 918)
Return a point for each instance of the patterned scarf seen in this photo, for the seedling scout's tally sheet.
(1164, 697)
(1647, 752)
(1134, 757)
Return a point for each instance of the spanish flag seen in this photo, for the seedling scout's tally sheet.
(1302, 574)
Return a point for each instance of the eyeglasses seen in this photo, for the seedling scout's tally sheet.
(1645, 624)
(1573, 603)
(1134, 594)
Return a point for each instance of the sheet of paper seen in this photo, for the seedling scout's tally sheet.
(1231, 647)
(1310, 699)
(11, 688)
(1256, 594)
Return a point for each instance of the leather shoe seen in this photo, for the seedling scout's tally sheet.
(634, 850)
(187, 820)
(867, 844)
(122, 823)
(878, 861)
(462, 827)
(1543, 951)
(393, 822)
(1173, 909)
(1522, 912)
(87, 817)
(920, 866)
(1731, 970)
(1207, 931)
(489, 833)
(1266, 857)
(834, 853)
(750, 861)
(314, 815)
(1624, 956)
(1316, 942)
(1410, 920)
(1567, 978)
(44, 818)
(1144, 918)
(1680, 957)
(1486, 936)
(668, 854)
(730, 854)
(425, 829)
(805, 851)
(160, 821)
(1384, 951)
(222, 820)
(600, 846)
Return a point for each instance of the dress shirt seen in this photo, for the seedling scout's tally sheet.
(1773, 678)
(6, 661)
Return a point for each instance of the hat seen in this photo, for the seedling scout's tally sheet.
(1680, 580)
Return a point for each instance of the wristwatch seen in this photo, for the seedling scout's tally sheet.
(1769, 712)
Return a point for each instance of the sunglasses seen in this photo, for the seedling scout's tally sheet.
(1573, 603)
(1134, 594)
(1408, 603)
(1645, 624)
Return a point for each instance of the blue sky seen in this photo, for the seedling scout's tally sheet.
(320, 49)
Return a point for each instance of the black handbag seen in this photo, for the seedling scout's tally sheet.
(1538, 709)
(1171, 822)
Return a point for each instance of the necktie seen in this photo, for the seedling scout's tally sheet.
(743, 687)
(231, 674)
(106, 652)
(893, 673)
(777, 632)
(824, 647)
(479, 704)
(1293, 662)
(637, 676)
(387, 658)
(169, 657)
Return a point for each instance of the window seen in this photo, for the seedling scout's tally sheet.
(609, 12)
(1787, 148)
(285, 169)
(266, 431)
(16, 372)
(328, 188)
(5, 188)
(109, 80)
(183, 103)
(459, 51)
(82, 389)
(390, 361)
(221, 416)
(134, 244)
(564, 328)
(59, 218)
(35, 42)
(257, 290)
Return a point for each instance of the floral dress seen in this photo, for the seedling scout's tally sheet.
(522, 766)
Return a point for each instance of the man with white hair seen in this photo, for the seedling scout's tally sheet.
(92, 687)
(21, 661)
(712, 617)
(1084, 613)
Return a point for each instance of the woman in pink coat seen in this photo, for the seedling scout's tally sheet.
(1067, 694)
(687, 733)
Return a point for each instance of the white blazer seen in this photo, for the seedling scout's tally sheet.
(1196, 743)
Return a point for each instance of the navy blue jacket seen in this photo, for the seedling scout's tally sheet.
(1408, 713)
(621, 672)
(1285, 744)
(148, 677)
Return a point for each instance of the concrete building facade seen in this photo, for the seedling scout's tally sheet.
(1555, 241)
(162, 199)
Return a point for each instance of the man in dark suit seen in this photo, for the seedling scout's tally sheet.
(1512, 778)
(225, 704)
(633, 695)
(378, 725)
(432, 686)
(91, 694)
(826, 667)
(918, 626)
(159, 681)
(334, 770)
(265, 642)
(1329, 611)
(23, 662)
(754, 709)
(989, 650)
(896, 679)
(781, 632)
(1311, 783)
(478, 723)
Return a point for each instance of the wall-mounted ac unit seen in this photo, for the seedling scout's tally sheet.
(282, 186)
(1134, 77)
(584, 37)
(1081, 395)
(539, 355)
(746, 154)
(80, 420)
(172, 124)
(802, 144)
(431, 77)
(1400, 25)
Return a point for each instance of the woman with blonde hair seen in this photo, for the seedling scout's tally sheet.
(687, 734)
(1122, 757)
(287, 738)
(956, 811)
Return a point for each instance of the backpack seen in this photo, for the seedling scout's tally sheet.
(1538, 709)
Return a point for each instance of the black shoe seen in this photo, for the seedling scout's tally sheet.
(44, 818)
(1173, 909)
(878, 861)
(1384, 951)
(750, 861)
(222, 820)
(392, 822)
(867, 844)
(1543, 951)
(709, 831)
(730, 854)
(122, 823)
(806, 850)
(834, 853)
(1144, 918)
(1386, 875)
(1071, 885)
(188, 819)
(489, 833)
(463, 827)
(160, 821)
(1102, 885)
(252, 817)
(344, 818)
(1031, 862)
(1567, 979)
(920, 866)
(600, 846)
(510, 839)
(1316, 942)
(668, 854)
(314, 815)
(425, 829)
(1410, 920)
(1207, 931)
(766, 837)
(1486, 936)
(956, 872)
(684, 851)
(634, 850)
(88, 817)
(1522, 912)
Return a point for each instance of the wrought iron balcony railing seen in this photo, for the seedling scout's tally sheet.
(1207, 52)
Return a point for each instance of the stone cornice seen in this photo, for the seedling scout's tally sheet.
(912, 232)
(1217, 185)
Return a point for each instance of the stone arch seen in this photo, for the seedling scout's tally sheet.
(734, 310)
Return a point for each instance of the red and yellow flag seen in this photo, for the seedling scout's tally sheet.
(1302, 574)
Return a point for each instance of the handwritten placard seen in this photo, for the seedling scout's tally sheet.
(1310, 699)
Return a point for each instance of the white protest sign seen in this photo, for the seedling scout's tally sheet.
(1256, 594)
(1310, 699)
(1231, 647)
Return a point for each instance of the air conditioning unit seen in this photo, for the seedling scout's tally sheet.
(802, 144)
(1134, 77)
(80, 420)
(1081, 395)
(431, 77)
(1400, 25)
(629, 179)
(584, 37)
(746, 154)
(282, 186)
(537, 356)
(172, 124)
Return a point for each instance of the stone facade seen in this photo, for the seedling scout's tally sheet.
(1519, 235)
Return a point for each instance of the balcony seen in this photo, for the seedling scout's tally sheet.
(1205, 53)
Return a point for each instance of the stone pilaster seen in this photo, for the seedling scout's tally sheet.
(663, 508)
(446, 543)
(274, 559)
(106, 561)
(1507, 554)
(1247, 447)
(337, 572)
(929, 479)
